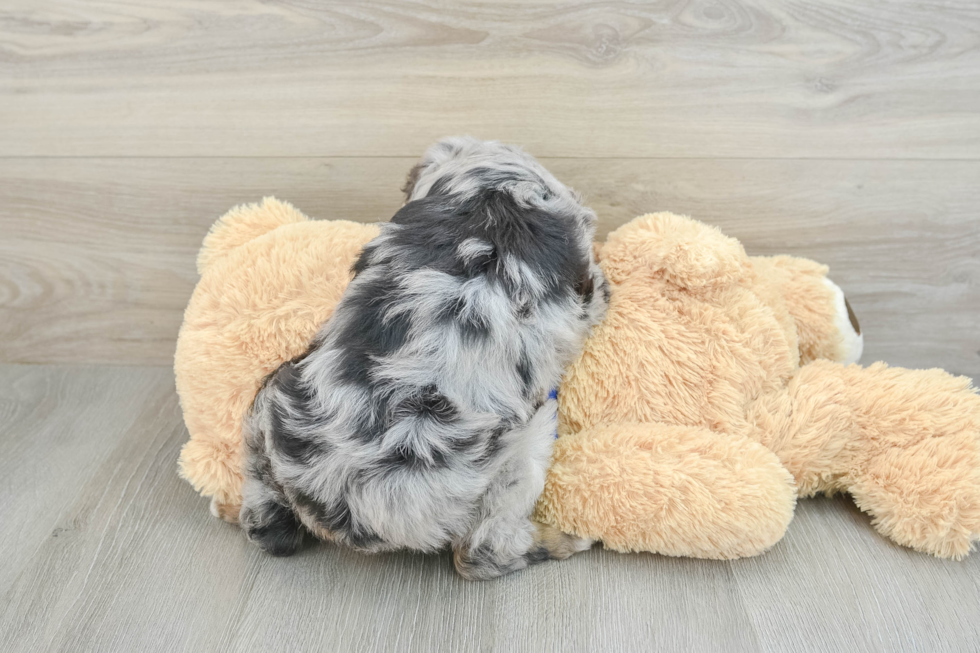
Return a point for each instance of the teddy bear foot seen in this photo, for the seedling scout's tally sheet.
(921, 481)
(925, 497)
(674, 490)
(225, 511)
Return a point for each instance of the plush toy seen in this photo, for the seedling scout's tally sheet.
(712, 396)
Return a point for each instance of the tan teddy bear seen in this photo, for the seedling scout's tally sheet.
(701, 408)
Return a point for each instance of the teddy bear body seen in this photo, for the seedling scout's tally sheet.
(714, 393)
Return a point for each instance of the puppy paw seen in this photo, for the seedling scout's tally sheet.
(552, 544)
(274, 528)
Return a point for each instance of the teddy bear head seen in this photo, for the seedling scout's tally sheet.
(696, 328)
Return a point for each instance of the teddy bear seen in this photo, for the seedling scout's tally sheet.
(718, 390)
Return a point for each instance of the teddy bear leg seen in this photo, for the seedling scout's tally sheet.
(925, 496)
(674, 490)
(226, 511)
(904, 443)
(921, 478)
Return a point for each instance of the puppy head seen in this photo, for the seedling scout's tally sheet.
(509, 208)
(461, 166)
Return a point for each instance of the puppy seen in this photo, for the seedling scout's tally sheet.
(423, 414)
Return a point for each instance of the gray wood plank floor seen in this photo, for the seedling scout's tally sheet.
(104, 548)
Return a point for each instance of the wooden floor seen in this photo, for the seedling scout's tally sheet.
(843, 130)
(104, 548)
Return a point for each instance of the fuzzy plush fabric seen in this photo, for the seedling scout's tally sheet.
(269, 278)
(708, 400)
(675, 490)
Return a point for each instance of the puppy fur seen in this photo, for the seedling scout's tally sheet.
(420, 418)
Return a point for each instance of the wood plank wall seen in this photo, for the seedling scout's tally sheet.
(845, 131)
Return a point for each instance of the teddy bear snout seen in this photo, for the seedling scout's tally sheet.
(852, 317)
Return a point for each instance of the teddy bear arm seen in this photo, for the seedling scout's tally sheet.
(247, 315)
(242, 224)
(674, 490)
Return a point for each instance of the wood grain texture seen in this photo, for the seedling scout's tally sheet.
(834, 584)
(47, 420)
(671, 78)
(97, 255)
(116, 553)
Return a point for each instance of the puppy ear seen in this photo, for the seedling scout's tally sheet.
(586, 284)
(411, 180)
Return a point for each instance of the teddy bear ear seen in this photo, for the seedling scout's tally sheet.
(683, 251)
(244, 223)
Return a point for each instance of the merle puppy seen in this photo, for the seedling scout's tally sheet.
(422, 415)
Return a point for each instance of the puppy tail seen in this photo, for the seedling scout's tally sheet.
(242, 224)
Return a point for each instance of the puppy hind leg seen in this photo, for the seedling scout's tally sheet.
(482, 563)
(505, 538)
(265, 515)
(268, 521)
